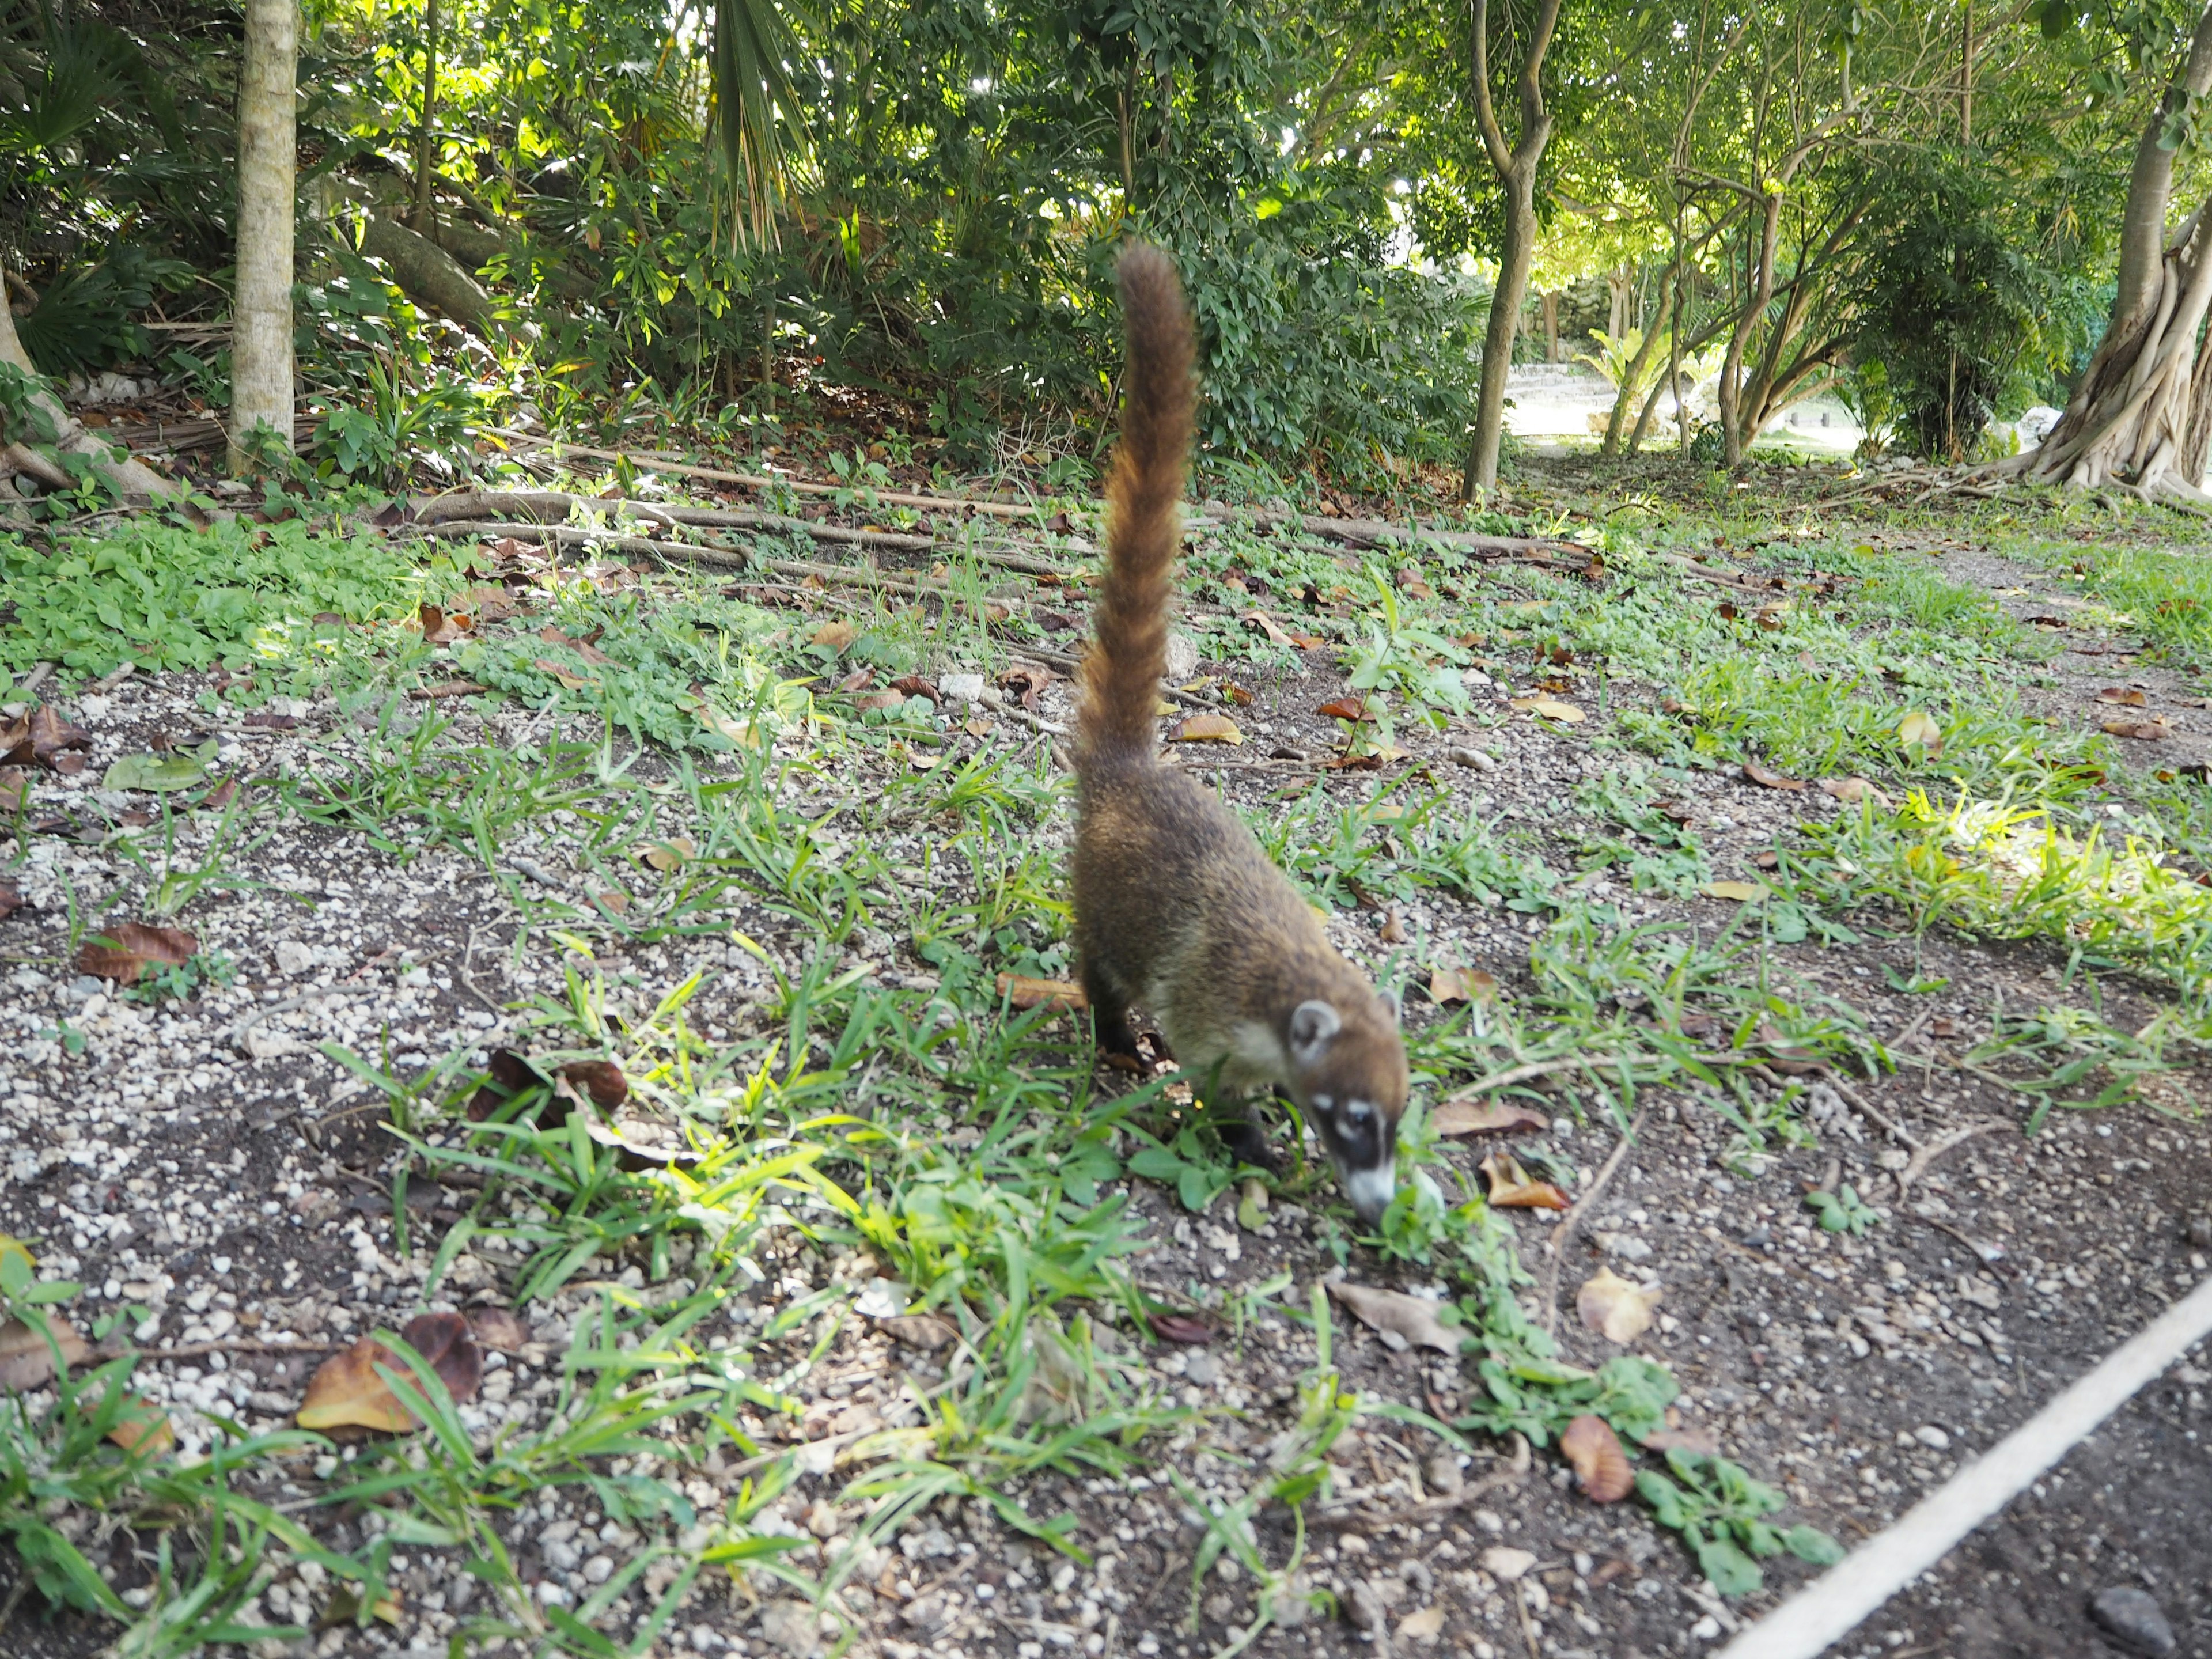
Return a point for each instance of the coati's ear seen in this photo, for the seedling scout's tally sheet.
(1389, 1001)
(1313, 1024)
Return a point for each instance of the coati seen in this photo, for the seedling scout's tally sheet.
(1177, 906)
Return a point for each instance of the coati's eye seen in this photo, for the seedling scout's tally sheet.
(1324, 1103)
(1357, 1113)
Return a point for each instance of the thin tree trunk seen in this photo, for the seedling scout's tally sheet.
(1548, 309)
(129, 478)
(1631, 379)
(425, 147)
(1760, 283)
(1515, 255)
(261, 374)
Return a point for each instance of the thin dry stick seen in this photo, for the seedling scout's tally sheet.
(1563, 1234)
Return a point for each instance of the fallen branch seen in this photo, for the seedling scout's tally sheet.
(1935, 1149)
(534, 505)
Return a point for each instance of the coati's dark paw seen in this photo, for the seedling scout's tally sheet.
(1248, 1142)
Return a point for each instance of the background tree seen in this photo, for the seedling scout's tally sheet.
(262, 370)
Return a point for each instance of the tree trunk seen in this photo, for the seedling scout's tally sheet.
(425, 145)
(129, 478)
(1631, 378)
(1515, 256)
(1620, 286)
(2143, 415)
(1549, 310)
(261, 372)
(427, 272)
(1734, 440)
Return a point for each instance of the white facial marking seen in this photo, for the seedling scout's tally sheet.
(1371, 1190)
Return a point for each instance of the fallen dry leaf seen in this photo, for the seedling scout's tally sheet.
(1448, 985)
(925, 1331)
(1617, 1310)
(1853, 790)
(1189, 1329)
(835, 636)
(11, 899)
(26, 1360)
(1690, 1440)
(567, 676)
(584, 648)
(438, 627)
(1766, 780)
(1600, 1464)
(346, 1392)
(2141, 731)
(1344, 708)
(1059, 994)
(1424, 1626)
(874, 700)
(1920, 731)
(1412, 1319)
(500, 1328)
(2126, 696)
(15, 784)
(1550, 709)
(1742, 892)
(671, 855)
(602, 1080)
(1393, 930)
(144, 1427)
(128, 949)
(1512, 1188)
(1276, 633)
(41, 737)
(1479, 1117)
(1207, 728)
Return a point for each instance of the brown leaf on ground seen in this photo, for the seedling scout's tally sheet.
(1207, 728)
(1266, 624)
(835, 636)
(1853, 790)
(1550, 709)
(2141, 731)
(500, 1328)
(1192, 1330)
(438, 627)
(1448, 985)
(219, 796)
(1393, 930)
(1344, 708)
(346, 1392)
(1766, 780)
(489, 604)
(1616, 1309)
(26, 1362)
(878, 700)
(1059, 994)
(1028, 681)
(1689, 1440)
(602, 1080)
(1413, 1319)
(2056, 624)
(126, 951)
(926, 1331)
(2126, 696)
(1738, 893)
(1476, 1117)
(41, 737)
(567, 676)
(507, 1075)
(671, 855)
(584, 648)
(858, 680)
(1600, 1464)
(1918, 730)
(11, 899)
(15, 786)
(1512, 1188)
(144, 1427)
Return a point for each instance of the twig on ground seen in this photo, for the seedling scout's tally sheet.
(1865, 1108)
(1935, 1149)
(1563, 1234)
(224, 1344)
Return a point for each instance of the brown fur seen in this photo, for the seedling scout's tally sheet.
(1176, 906)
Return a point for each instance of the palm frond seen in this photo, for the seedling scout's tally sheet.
(752, 88)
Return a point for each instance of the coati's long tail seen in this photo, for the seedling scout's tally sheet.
(1116, 724)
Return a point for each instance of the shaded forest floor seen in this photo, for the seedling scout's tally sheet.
(616, 943)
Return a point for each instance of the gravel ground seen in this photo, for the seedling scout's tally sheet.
(206, 1165)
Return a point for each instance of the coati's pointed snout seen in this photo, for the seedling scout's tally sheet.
(1370, 1190)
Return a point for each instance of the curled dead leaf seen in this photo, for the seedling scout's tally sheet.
(499, 1328)
(11, 899)
(568, 677)
(1616, 1309)
(1769, 779)
(1412, 1319)
(1207, 728)
(1550, 709)
(602, 1080)
(1261, 621)
(1601, 1465)
(2141, 731)
(1478, 1117)
(1512, 1188)
(1920, 731)
(926, 1331)
(583, 648)
(1192, 1330)
(1853, 790)
(43, 738)
(438, 627)
(26, 1359)
(143, 1428)
(1059, 994)
(2126, 696)
(1344, 708)
(1449, 985)
(126, 951)
(671, 855)
(346, 1391)
(835, 636)
(1393, 930)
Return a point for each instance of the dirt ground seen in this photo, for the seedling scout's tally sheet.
(206, 1162)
